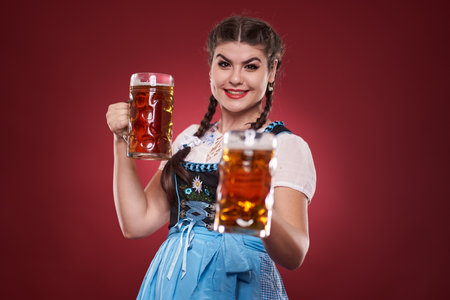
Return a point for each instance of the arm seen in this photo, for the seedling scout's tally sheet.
(288, 242)
(140, 211)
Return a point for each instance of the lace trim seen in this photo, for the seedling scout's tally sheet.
(272, 125)
(199, 167)
(216, 149)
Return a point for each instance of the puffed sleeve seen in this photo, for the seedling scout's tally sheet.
(295, 165)
(179, 140)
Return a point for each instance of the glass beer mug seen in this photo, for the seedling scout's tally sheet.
(244, 193)
(150, 123)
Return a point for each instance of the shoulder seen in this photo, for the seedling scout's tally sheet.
(295, 164)
(277, 127)
(187, 132)
(184, 136)
(190, 130)
(285, 137)
(293, 148)
(290, 140)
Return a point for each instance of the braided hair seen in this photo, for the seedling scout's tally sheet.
(234, 29)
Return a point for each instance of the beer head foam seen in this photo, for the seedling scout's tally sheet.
(145, 83)
(249, 139)
(151, 79)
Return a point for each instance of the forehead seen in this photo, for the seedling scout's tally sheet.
(237, 51)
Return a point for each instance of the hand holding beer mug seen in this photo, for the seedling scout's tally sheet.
(244, 194)
(150, 123)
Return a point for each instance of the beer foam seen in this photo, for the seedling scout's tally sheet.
(150, 84)
(249, 140)
(250, 147)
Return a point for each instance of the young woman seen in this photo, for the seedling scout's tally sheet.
(196, 262)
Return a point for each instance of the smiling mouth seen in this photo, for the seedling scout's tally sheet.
(236, 94)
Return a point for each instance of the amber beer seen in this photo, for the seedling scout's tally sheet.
(245, 196)
(150, 124)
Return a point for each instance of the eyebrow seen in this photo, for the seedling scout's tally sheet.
(245, 62)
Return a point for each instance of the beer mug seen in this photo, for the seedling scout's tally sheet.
(150, 123)
(244, 193)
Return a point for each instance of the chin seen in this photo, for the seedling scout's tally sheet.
(236, 109)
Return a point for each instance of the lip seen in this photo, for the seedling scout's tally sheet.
(238, 94)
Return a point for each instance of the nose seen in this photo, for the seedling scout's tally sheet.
(236, 77)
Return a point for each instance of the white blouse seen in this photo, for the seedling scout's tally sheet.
(295, 165)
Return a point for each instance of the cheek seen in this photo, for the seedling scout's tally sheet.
(213, 87)
(216, 79)
(214, 84)
(259, 84)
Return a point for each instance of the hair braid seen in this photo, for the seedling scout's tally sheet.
(173, 165)
(263, 117)
(206, 122)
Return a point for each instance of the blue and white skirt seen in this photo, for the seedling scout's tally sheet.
(195, 263)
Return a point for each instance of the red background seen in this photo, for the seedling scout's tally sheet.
(366, 84)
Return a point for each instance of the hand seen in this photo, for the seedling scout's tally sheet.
(117, 118)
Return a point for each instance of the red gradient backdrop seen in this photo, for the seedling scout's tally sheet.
(364, 82)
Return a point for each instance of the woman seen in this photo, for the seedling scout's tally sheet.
(196, 262)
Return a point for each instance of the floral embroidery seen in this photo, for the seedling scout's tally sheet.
(204, 193)
(197, 184)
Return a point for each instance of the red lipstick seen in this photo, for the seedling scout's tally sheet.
(236, 94)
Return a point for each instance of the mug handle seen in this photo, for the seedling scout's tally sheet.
(126, 136)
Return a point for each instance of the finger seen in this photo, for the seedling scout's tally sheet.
(116, 110)
(116, 121)
(118, 106)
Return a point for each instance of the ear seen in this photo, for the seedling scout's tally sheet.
(273, 71)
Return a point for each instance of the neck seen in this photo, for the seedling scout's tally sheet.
(237, 121)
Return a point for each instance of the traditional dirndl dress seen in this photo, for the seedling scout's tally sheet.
(197, 263)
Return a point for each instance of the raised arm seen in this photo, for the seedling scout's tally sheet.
(140, 211)
(295, 182)
(288, 242)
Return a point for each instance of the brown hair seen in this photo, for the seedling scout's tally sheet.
(234, 29)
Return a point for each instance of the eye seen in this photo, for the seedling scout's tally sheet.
(252, 67)
(223, 64)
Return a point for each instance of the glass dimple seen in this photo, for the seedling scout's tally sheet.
(141, 100)
(140, 129)
(148, 142)
(148, 115)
